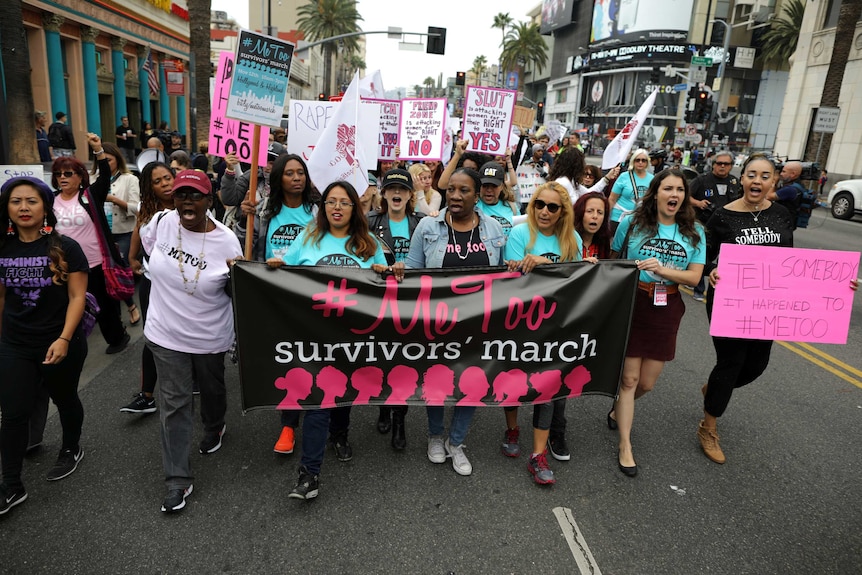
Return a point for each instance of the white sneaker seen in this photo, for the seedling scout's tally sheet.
(436, 452)
(460, 463)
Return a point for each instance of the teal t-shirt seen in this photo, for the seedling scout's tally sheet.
(500, 212)
(284, 228)
(629, 197)
(545, 246)
(331, 251)
(670, 247)
(400, 238)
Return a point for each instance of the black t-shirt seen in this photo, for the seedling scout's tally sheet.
(34, 312)
(129, 140)
(772, 228)
(465, 249)
(718, 191)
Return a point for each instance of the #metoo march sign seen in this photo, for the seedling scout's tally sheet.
(471, 336)
(421, 131)
(228, 135)
(390, 116)
(488, 119)
(786, 294)
(259, 84)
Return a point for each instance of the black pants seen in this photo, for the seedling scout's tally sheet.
(738, 362)
(23, 375)
(548, 416)
(148, 364)
(109, 317)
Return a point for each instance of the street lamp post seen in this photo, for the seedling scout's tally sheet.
(721, 67)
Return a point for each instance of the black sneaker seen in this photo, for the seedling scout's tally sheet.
(558, 448)
(307, 486)
(67, 463)
(120, 345)
(212, 441)
(343, 451)
(175, 500)
(140, 404)
(9, 498)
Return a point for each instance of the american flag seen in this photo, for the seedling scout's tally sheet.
(152, 74)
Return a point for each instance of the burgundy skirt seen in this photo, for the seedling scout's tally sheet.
(654, 328)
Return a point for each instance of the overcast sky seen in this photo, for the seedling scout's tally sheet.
(468, 34)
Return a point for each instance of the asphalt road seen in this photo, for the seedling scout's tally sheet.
(787, 500)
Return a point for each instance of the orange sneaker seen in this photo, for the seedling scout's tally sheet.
(285, 441)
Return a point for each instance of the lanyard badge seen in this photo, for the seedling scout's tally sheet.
(659, 296)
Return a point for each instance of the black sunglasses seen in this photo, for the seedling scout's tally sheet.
(722, 163)
(193, 196)
(552, 208)
(66, 174)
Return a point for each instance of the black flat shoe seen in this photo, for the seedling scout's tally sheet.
(627, 471)
(612, 423)
(384, 420)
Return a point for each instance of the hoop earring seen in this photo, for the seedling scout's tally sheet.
(10, 231)
(45, 229)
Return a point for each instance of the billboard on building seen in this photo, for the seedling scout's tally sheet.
(556, 14)
(626, 21)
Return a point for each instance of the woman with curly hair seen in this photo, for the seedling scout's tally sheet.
(43, 285)
(668, 243)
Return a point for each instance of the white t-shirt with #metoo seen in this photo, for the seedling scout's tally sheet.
(195, 315)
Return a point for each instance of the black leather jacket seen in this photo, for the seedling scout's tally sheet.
(378, 225)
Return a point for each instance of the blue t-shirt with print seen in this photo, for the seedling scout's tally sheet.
(668, 246)
(500, 212)
(331, 251)
(629, 197)
(400, 238)
(283, 229)
(545, 246)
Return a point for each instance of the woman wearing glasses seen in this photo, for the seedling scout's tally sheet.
(630, 188)
(74, 219)
(187, 328)
(547, 237)
(338, 236)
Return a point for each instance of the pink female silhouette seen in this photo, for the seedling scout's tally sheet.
(333, 383)
(297, 384)
(368, 383)
(403, 380)
(438, 383)
(510, 385)
(576, 380)
(546, 384)
(473, 383)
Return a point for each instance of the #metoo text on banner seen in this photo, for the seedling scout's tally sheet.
(488, 116)
(226, 134)
(787, 294)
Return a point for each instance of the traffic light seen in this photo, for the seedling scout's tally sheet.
(436, 40)
(321, 96)
(540, 112)
(703, 107)
(459, 78)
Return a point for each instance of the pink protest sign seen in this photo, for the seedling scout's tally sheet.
(786, 294)
(226, 134)
(421, 129)
(488, 116)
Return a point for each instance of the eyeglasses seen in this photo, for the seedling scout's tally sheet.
(66, 174)
(721, 163)
(640, 159)
(193, 196)
(552, 208)
(343, 204)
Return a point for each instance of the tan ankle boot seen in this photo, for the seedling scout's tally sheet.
(709, 442)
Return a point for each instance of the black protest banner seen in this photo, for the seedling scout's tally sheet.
(324, 336)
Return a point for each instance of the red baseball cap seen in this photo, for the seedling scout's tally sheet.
(195, 179)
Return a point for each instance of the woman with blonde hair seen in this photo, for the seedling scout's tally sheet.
(427, 200)
(630, 188)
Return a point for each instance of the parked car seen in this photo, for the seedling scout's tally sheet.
(846, 199)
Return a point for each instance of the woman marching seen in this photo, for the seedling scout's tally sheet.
(665, 238)
(43, 285)
(629, 189)
(338, 236)
(496, 198)
(546, 237)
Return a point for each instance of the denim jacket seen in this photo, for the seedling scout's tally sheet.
(429, 241)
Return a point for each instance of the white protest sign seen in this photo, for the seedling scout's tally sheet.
(33, 171)
(488, 119)
(421, 131)
(390, 115)
(308, 119)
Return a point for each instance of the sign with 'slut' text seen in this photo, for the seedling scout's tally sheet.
(787, 294)
(226, 134)
(487, 119)
(421, 130)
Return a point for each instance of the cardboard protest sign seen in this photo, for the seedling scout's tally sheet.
(421, 130)
(523, 117)
(258, 87)
(390, 116)
(488, 119)
(787, 294)
(226, 134)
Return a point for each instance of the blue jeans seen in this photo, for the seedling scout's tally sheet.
(458, 427)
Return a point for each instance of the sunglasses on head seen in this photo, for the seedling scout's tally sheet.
(193, 196)
(66, 174)
(541, 205)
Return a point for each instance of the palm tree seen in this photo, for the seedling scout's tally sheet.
(429, 86)
(502, 21)
(322, 19)
(524, 46)
(199, 38)
(478, 69)
(418, 89)
(848, 16)
(779, 42)
(19, 92)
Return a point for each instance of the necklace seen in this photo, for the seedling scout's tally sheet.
(753, 215)
(455, 243)
(182, 255)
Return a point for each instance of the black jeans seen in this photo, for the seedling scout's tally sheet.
(109, 317)
(23, 375)
(738, 362)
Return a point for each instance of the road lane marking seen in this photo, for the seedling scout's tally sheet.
(823, 364)
(828, 357)
(577, 544)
